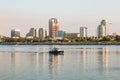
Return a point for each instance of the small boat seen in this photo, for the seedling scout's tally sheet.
(55, 51)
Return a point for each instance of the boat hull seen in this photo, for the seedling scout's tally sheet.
(56, 52)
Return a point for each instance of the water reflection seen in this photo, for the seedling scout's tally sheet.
(15, 61)
(26, 64)
(95, 57)
(80, 63)
(84, 56)
(103, 59)
(54, 63)
(87, 57)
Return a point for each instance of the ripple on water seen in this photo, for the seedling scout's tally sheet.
(80, 62)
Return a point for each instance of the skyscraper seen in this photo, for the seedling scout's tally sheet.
(15, 33)
(54, 26)
(83, 31)
(102, 29)
(31, 32)
(37, 33)
(42, 33)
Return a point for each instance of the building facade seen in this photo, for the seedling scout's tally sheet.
(72, 35)
(42, 33)
(31, 33)
(83, 31)
(54, 26)
(102, 29)
(61, 34)
(15, 33)
(37, 33)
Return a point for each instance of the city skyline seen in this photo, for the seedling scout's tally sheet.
(54, 28)
(72, 14)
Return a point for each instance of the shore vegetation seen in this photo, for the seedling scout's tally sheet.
(109, 40)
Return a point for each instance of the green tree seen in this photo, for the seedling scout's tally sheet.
(117, 38)
(105, 39)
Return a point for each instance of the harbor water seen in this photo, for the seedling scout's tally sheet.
(79, 62)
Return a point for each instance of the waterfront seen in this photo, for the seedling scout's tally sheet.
(80, 62)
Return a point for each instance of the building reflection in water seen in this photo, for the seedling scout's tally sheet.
(89, 56)
(103, 55)
(84, 56)
(93, 57)
(32, 61)
(40, 57)
(15, 62)
(54, 61)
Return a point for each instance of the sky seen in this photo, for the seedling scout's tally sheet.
(73, 14)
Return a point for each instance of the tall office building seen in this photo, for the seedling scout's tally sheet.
(15, 33)
(102, 29)
(37, 33)
(31, 32)
(54, 26)
(42, 33)
(83, 31)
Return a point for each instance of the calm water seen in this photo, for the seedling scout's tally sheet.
(86, 62)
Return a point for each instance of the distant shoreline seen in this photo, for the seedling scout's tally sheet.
(62, 43)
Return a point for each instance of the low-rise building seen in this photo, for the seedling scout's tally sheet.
(61, 34)
(72, 35)
(83, 31)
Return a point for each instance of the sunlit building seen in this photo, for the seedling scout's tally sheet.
(15, 33)
(54, 26)
(42, 33)
(83, 31)
(37, 33)
(61, 34)
(72, 35)
(102, 29)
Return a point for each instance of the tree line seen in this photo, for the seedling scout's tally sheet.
(107, 39)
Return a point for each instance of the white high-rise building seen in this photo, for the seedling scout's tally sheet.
(15, 33)
(37, 33)
(42, 33)
(83, 31)
(102, 29)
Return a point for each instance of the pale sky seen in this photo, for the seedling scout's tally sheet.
(73, 14)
